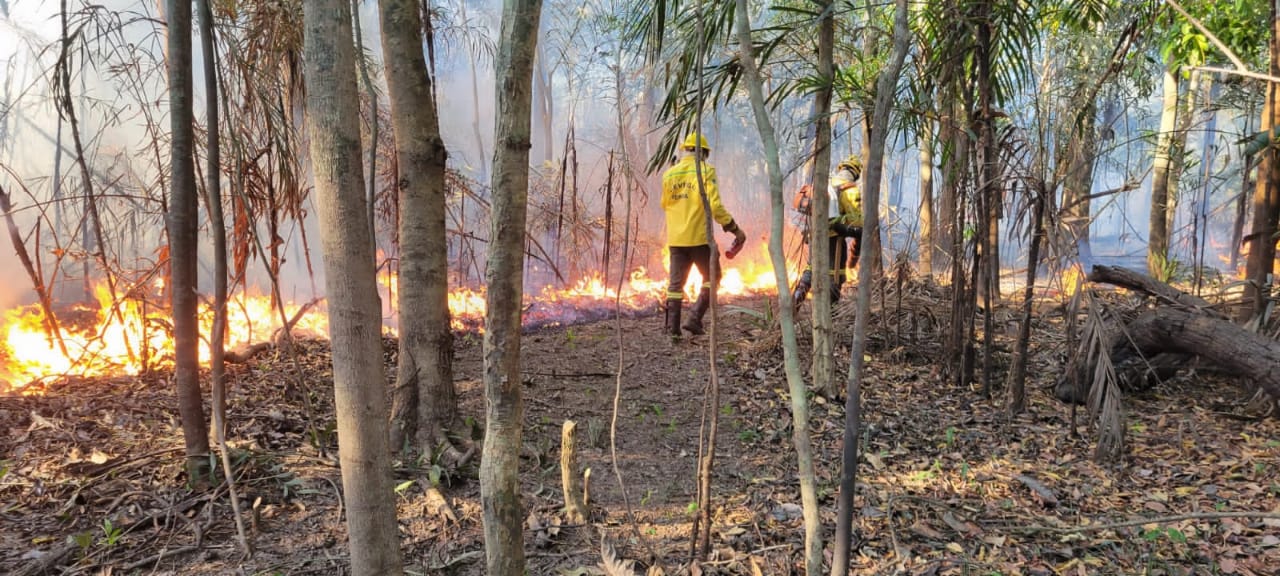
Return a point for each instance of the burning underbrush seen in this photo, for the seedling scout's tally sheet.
(129, 332)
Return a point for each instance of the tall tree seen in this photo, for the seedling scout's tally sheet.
(1266, 195)
(355, 322)
(213, 202)
(1158, 229)
(927, 223)
(786, 309)
(823, 362)
(504, 412)
(879, 129)
(183, 222)
(425, 402)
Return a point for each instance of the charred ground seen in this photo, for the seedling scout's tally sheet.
(92, 469)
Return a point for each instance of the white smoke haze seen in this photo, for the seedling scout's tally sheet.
(121, 90)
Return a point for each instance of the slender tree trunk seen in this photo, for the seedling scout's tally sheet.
(990, 189)
(791, 356)
(546, 109)
(927, 225)
(355, 322)
(475, 98)
(1177, 152)
(1079, 178)
(1158, 235)
(213, 200)
(1242, 201)
(823, 363)
(426, 342)
(183, 222)
(1017, 394)
(871, 216)
(1266, 195)
(500, 461)
(710, 414)
(949, 144)
(371, 190)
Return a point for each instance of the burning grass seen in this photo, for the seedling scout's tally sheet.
(132, 334)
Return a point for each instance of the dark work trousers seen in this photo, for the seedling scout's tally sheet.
(681, 260)
(836, 256)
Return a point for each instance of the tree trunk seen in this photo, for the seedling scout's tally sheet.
(500, 461)
(823, 368)
(1079, 178)
(183, 222)
(1017, 394)
(989, 187)
(475, 114)
(1266, 195)
(546, 109)
(927, 225)
(1158, 235)
(355, 322)
(424, 382)
(213, 200)
(871, 216)
(790, 348)
(371, 190)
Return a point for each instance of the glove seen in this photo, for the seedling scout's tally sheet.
(739, 240)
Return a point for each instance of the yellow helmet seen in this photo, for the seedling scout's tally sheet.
(853, 164)
(696, 140)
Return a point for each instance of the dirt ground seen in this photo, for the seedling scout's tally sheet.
(91, 470)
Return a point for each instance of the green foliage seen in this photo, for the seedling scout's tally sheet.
(1166, 269)
(1240, 24)
(111, 533)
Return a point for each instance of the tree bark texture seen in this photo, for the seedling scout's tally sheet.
(500, 460)
(1266, 195)
(1079, 178)
(355, 322)
(791, 355)
(1135, 280)
(1158, 231)
(183, 223)
(871, 216)
(1017, 389)
(1220, 341)
(426, 341)
(824, 367)
(927, 224)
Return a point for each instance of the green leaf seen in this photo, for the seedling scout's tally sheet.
(401, 487)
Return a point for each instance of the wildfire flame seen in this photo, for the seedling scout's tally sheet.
(125, 336)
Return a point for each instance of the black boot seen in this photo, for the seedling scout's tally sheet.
(672, 327)
(694, 324)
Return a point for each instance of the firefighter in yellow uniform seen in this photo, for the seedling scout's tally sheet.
(687, 233)
(845, 222)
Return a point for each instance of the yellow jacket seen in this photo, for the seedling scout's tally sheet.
(686, 222)
(846, 207)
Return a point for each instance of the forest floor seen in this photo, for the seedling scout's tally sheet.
(91, 470)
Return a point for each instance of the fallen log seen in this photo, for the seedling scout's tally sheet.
(1134, 280)
(1214, 339)
(244, 354)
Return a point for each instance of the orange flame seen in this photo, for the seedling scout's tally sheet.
(125, 336)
